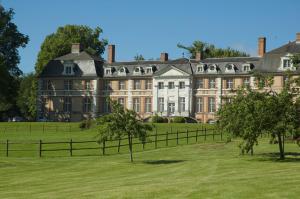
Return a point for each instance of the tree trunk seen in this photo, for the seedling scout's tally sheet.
(280, 144)
(130, 147)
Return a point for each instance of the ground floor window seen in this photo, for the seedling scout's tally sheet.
(160, 104)
(87, 104)
(67, 104)
(121, 101)
(106, 106)
(148, 105)
(211, 104)
(199, 104)
(181, 104)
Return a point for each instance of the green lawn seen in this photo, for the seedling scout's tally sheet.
(210, 170)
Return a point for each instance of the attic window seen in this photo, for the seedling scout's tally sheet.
(212, 68)
(149, 70)
(68, 68)
(286, 63)
(229, 68)
(246, 67)
(122, 71)
(138, 70)
(108, 71)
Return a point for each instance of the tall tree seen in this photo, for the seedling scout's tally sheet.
(139, 57)
(59, 43)
(122, 123)
(209, 50)
(256, 112)
(10, 40)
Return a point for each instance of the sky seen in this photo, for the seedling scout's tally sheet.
(155, 26)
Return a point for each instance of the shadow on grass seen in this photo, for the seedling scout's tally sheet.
(162, 161)
(274, 157)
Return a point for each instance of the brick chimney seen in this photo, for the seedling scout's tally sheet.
(111, 54)
(164, 56)
(76, 48)
(199, 56)
(298, 37)
(261, 46)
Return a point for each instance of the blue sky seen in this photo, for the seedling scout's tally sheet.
(152, 27)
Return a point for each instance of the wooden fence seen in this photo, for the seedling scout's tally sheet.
(67, 148)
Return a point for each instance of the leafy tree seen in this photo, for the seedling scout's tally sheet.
(139, 57)
(10, 40)
(263, 111)
(122, 123)
(26, 99)
(59, 43)
(209, 50)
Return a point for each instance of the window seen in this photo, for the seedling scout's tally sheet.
(199, 104)
(181, 85)
(200, 69)
(49, 85)
(106, 106)
(286, 63)
(137, 70)
(160, 104)
(137, 84)
(246, 67)
(136, 104)
(107, 85)
(181, 104)
(149, 70)
(121, 101)
(229, 83)
(67, 104)
(246, 81)
(87, 85)
(199, 83)
(227, 100)
(148, 85)
(108, 71)
(211, 104)
(122, 85)
(87, 104)
(68, 84)
(68, 70)
(122, 71)
(212, 83)
(160, 85)
(148, 105)
(171, 85)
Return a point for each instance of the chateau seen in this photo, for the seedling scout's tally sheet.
(75, 86)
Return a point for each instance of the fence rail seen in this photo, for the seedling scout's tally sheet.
(42, 148)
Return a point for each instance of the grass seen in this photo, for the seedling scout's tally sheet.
(211, 170)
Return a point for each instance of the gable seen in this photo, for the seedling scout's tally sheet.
(174, 72)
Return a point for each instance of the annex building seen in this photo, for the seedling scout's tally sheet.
(76, 86)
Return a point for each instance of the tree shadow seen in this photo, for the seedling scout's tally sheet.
(154, 162)
(274, 157)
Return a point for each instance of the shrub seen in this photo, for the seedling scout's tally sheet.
(85, 124)
(178, 119)
(157, 119)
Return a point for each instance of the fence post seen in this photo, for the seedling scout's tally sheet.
(205, 133)
(167, 138)
(156, 138)
(40, 149)
(103, 147)
(197, 135)
(6, 148)
(119, 145)
(71, 147)
(177, 137)
(187, 136)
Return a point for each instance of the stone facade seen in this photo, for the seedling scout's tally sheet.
(76, 86)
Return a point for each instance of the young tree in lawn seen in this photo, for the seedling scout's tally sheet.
(263, 111)
(122, 123)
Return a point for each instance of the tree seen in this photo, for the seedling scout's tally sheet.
(122, 123)
(59, 43)
(253, 113)
(26, 99)
(10, 40)
(210, 50)
(139, 57)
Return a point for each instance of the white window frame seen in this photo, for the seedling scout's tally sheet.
(161, 104)
(214, 70)
(287, 57)
(160, 85)
(122, 85)
(149, 70)
(137, 84)
(199, 104)
(227, 70)
(121, 101)
(148, 105)
(122, 73)
(181, 104)
(136, 104)
(171, 85)
(108, 71)
(229, 83)
(246, 81)
(211, 104)
(182, 85)
(148, 84)
(210, 83)
(201, 68)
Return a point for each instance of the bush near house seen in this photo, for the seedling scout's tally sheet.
(158, 119)
(178, 119)
(85, 124)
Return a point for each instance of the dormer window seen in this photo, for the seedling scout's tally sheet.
(108, 71)
(137, 70)
(68, 68)
(286, 63)
(201, 68)
(229, 68)
(212, 68)
(149, 70)
(122, 71)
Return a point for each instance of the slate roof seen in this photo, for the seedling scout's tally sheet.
(85, 65)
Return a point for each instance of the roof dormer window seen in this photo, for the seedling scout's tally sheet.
(230, 68)
(68, 68)
(122, 71)
(138, 70)
(286, 63)
(201, 68)
(212, 68)
(108, 71)
(149, 70)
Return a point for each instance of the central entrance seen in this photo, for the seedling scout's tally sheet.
(171, 108)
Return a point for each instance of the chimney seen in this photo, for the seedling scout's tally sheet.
(111, 54)
(76, 48)
(261, 46)
(163, 56)
(298, 37)
(199, 56)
